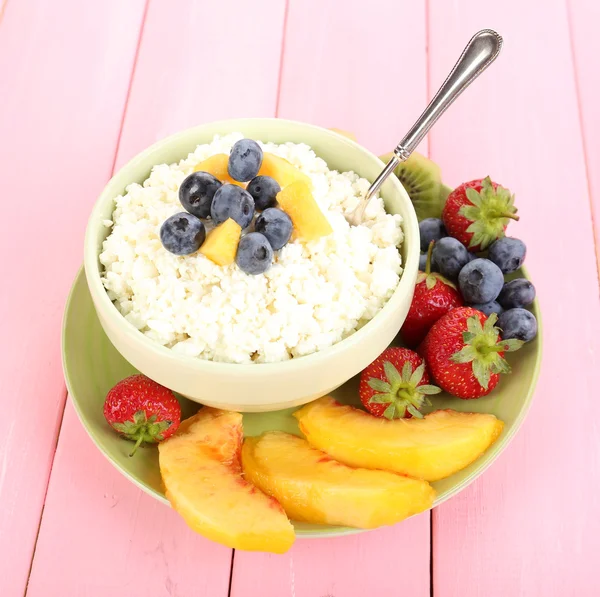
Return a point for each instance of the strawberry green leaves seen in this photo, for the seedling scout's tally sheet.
(489, 212)
(484, 349)
(402, 390)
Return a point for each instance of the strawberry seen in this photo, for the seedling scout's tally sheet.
(465, 354)
(142, 410)
(477, 213)
(434, 296)
(396, 385)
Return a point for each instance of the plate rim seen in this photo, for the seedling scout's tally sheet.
(328, 530)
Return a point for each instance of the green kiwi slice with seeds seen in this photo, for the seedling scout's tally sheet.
(422, 180)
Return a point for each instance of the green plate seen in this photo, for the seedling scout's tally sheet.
(92, 366)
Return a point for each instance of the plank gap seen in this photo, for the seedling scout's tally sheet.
(286, 12)
(130, 86)
(41, 516)
(231, 572)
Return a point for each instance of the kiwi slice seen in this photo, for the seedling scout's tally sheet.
(422, 180)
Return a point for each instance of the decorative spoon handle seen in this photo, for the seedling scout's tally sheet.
(480, 52)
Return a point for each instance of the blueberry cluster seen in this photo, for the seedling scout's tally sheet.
(203, 196)
(481, 278)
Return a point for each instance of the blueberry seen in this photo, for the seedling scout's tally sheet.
(197, 191)
(231, 201)
(449, 257)
(254, 254)
(431, 229)
(276, 225)
(480, 281)
(489, 308)
(508, 254)
(245, 160)
(517, 293)
(182, 233)
(472, 256)
(264, 191)
(518, 323)
(422, 262)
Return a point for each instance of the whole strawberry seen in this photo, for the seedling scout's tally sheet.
(477, 213)
(396, 385)
(434, 296)
(142, 410)
(465, 354)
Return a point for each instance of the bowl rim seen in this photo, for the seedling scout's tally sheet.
(102, 302)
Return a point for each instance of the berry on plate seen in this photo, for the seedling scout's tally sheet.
(430, 229)
(396, 385)
(518, 323)
(465, 354)
(477, 213)
(449, 257)
(480, 281)
(434, 296)
(142, 410)
(508, 254)
(488, 308)
(517, 293)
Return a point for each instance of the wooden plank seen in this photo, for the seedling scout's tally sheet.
(336, 72)
(584, 17)
(202, 62)
(114, 537)
(65, 71)
(529, 526)
(361, 69)
(391, 562)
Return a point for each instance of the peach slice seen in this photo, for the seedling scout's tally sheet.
(217, 166)
(312, 487)
(309, 221)
(431, 448)
(222, 242)
(201, 469)
(282, 171)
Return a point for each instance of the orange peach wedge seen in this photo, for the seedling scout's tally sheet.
(217, 166)
(312, 487)
(282, 171)
(202, 473)
(431, 448)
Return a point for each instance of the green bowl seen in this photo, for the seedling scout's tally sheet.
(268, 386)
(92, 366)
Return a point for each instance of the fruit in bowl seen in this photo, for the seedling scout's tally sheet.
(256, 317)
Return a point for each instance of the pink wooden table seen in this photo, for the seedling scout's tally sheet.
(86, 85)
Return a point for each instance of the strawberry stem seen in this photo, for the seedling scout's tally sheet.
(510, 216)
(428, 262)
(138, 443)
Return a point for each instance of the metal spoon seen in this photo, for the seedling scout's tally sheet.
(479, 53)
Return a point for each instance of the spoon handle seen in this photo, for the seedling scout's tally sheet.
(480, 52)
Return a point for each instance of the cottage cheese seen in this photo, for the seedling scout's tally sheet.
(315, 294)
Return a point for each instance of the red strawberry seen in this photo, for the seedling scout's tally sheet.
(477, 213)
(142, 410)
(464, 353)
(434, 296)
(395, 385)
